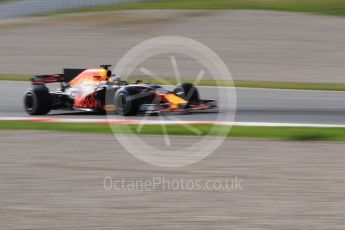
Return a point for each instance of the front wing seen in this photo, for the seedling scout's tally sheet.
(206, 106)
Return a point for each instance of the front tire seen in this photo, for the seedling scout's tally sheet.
(125, 106)
(37, 101)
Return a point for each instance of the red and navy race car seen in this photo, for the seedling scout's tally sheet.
(98, 91)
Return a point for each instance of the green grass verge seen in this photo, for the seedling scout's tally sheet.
(240, 83)
(14, 78)
(330, 7)
(274, 133)
(4, 1)
(291, 85)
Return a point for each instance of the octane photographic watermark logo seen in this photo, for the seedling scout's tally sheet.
(172, 184)
(176, 151)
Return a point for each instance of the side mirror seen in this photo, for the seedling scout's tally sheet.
(138, 81)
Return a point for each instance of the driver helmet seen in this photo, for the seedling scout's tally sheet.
(115, 79)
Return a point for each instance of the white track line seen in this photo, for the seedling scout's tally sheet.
(151, 122)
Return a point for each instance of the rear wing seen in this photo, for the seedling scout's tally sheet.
(67, 76)
(43, 79)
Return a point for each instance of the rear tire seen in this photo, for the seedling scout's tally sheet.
(188, 92)
(37, 101)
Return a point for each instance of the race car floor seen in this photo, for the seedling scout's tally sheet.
(54, 180)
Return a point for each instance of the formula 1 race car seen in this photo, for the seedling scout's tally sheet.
(98, 91)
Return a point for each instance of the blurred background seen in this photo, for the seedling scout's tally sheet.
(287, 58)
(259, 40)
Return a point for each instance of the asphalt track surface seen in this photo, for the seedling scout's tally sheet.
(253, 105)
(59, 185)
